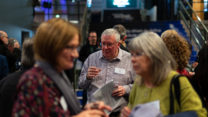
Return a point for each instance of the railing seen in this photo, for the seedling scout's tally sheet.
(198, 31)
(84, 27)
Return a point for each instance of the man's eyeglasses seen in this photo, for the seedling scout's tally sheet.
(93, 36)
(5, 37)
(108, 44)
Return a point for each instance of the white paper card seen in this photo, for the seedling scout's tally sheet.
(63, 103)
(120, 71)
(151, 109)
(105, 94)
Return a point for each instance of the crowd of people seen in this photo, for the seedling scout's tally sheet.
(10, 54)
(142, 72)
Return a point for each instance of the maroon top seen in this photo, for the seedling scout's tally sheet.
(38, 96)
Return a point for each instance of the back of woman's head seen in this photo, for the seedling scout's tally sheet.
(154, 48)
(27, 57)
(178, 47)
(52, 37)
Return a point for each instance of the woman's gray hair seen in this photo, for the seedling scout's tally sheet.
(111, 31)
(27, 59)
(154, 48)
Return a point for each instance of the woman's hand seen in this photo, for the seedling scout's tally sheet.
(125, 112)
(98, 105)
(95, 109)
(91, 113)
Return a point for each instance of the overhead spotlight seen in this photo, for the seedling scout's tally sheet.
(57, 16)
(74, 21)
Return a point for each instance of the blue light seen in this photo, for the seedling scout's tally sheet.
(63, 6)
(89, 3)
(47, 11)
(205, 5)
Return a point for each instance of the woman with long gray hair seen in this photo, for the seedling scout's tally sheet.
(155, 68)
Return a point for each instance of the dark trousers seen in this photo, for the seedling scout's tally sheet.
(115, 114)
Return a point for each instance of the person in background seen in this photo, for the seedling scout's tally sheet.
(191, 67)
(193, 61)
(90, 47)
(3, 38)
(12, 44)
(44, 90)
(14, 48)
(8, 86)
(179, 48)
(4, 54)
(110, 63)
(11, 58)
(4, 69)
(155, 67)
(122, 31)
(201, 75)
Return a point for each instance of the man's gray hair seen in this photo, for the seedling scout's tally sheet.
(111, 31)
(27, 59)
(11, 42)
(155, 49)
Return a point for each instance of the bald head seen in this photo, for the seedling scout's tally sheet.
(4, 37)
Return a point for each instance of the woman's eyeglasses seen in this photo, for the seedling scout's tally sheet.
(71, 47)
(137, 54)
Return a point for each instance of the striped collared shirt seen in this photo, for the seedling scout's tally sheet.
(119, 70)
